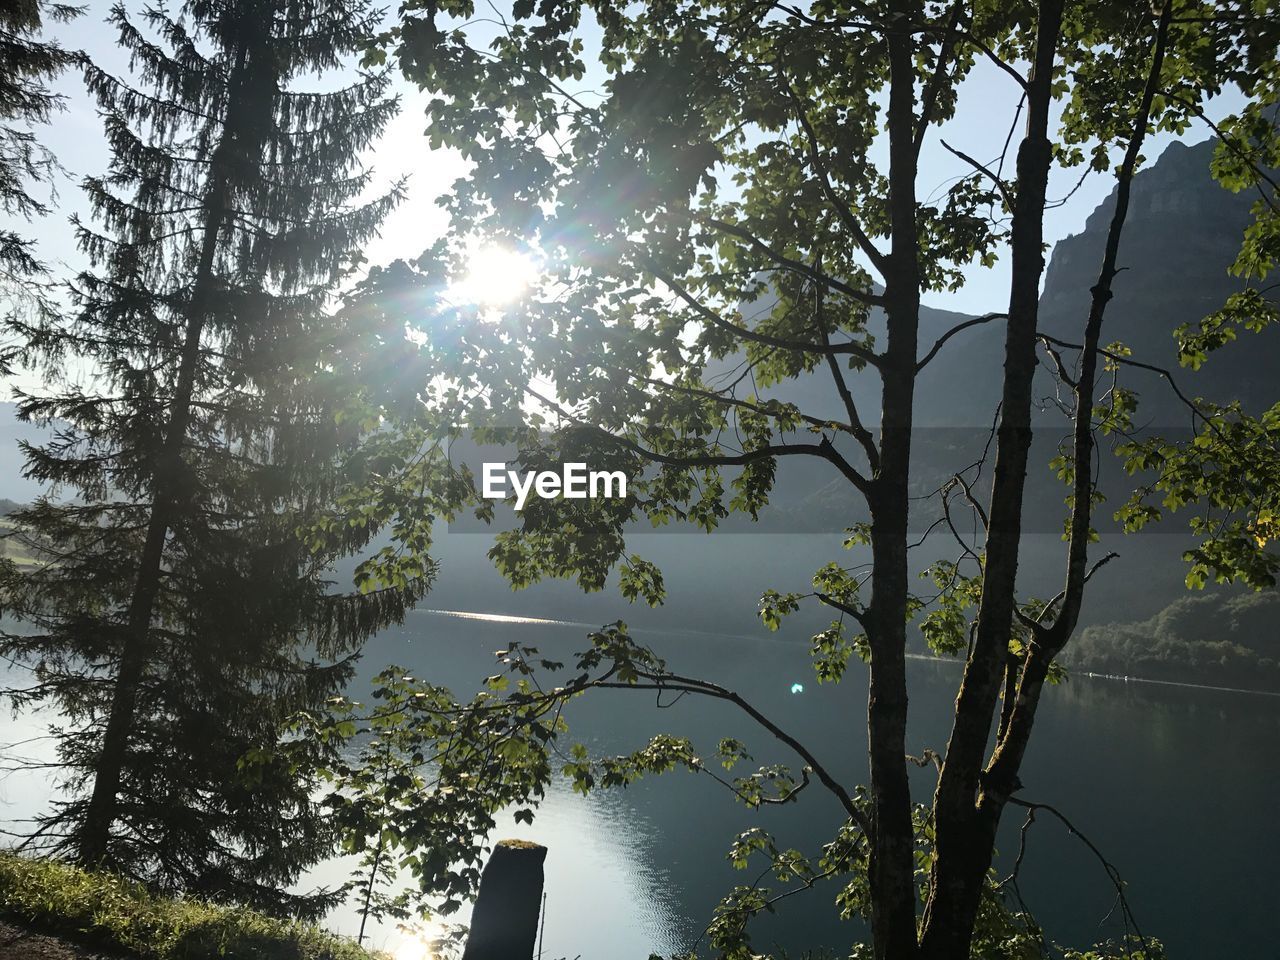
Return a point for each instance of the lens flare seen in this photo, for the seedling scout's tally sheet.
(496, 276)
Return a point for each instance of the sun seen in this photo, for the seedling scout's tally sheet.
(496, 276)
(413, 949)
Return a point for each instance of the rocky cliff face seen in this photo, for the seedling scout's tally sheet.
(1181, 236)
(1181, 225)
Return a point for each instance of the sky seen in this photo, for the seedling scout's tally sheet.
(988, 101)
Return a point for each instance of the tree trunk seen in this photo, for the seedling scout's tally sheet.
(100, 813)
(892, 864)
(1007, 759)
(963, 848)
(970, 801)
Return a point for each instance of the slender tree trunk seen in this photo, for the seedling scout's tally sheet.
(1007, 758)
(368, 890)
(963, 850)
(170, 482)
(892, 866)
(969, 801)
(377, 856)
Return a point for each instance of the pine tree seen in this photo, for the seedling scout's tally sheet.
(184, 610)
(27, 65)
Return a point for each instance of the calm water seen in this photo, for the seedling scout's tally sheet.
(1176, 786)
(1172, 784)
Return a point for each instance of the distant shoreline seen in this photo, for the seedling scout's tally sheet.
(1073, 674)
(1177, 683)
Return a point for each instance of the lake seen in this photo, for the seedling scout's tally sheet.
(1176, 786)
(1172, 784)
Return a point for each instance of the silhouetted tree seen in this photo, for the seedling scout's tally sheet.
(185, 606)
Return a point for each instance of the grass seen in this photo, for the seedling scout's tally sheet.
(107, 912)
(13, 548)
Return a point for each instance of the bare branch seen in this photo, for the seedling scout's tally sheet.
(958, 480)
(958, 328)
(1057, 361)
(857, 428)
(1164, 372)
(1036, 625)
(1112, 873)
(1000, 185)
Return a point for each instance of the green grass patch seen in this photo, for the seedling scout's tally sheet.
(12, 548)
(108, 912)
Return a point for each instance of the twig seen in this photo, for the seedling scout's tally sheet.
(975, 321)
(1112, 873)
(984, 169)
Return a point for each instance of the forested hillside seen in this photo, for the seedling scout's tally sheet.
(1220, 639)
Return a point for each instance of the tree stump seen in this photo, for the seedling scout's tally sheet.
(504, 924)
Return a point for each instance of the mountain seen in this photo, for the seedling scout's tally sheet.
(1181, 235)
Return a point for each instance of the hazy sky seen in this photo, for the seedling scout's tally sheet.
(988, 101)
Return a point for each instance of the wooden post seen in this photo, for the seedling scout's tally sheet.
(504, 924)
